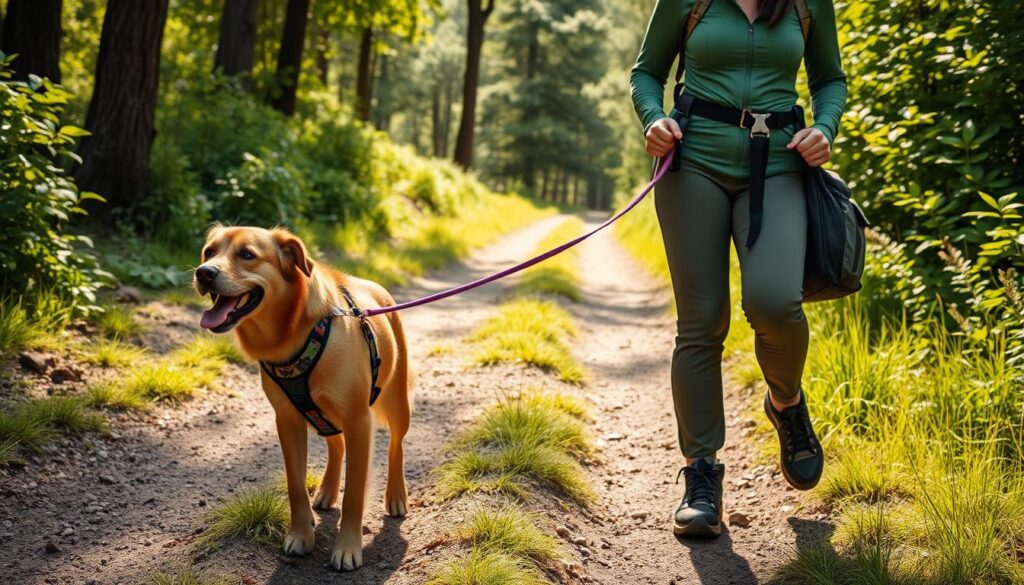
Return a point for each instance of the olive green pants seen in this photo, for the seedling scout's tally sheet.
(699, 210)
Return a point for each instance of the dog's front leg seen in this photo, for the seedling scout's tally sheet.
(291, 430)
(348, 549)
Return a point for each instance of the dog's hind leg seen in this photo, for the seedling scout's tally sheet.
(327, 495)
(291, 430)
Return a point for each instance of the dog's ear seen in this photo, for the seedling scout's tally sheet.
(293, 252)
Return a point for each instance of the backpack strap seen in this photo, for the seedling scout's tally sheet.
(696, 14)
(805, 18)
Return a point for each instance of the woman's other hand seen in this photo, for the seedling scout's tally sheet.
(661, 136)
(812, 144)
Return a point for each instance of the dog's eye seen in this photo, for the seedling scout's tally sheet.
(246, 255)
(208, 253)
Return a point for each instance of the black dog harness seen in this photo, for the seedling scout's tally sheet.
(293, 375)
(760, 126)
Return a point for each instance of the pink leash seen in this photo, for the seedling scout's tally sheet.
(663, 166)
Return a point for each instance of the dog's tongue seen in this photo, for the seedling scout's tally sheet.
(216, 315)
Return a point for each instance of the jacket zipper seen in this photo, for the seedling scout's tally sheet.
(746, 90)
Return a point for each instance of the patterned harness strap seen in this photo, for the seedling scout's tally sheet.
(292, 376)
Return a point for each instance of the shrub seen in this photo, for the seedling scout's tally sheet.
(39, 199)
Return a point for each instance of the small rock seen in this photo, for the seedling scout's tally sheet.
(739, 519)
(786, 509)
(35, 361)
(563, 531)
(128, 294)
(51, 547)
(67, 532)
(202, 503)
(62, 375)
(585, 552)
(639, 515)
(579, 540)
(613, 436)
(106, 479)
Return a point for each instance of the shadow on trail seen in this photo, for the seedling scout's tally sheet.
(716, 562)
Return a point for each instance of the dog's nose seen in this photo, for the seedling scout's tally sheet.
(206, 274)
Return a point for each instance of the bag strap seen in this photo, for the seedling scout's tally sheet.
(700, 7)
(696, 14)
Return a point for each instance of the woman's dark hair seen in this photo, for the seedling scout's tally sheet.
(773, 10)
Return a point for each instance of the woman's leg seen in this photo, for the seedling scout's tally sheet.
(695, 216)
(773, 271)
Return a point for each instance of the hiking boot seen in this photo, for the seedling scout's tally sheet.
(700, 512)
(801, 455)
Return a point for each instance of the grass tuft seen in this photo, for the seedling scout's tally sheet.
(531, 331)
(32, 425)
(112, 353)
(117, 321)
(258, 515)
(512, 531)
(528, 438)
(209, 351)
(487, 568)
(189, 575)
(558, 276)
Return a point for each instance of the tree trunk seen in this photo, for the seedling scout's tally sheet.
(121, 113)
(446, 122)
(289, 57)
(236, 46)
(32, 30)
(474, 43)
(435, 120)
(364, 77)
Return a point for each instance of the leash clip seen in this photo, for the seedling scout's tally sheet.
(760, 126)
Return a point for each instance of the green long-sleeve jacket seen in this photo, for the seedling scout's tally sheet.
(732, 62)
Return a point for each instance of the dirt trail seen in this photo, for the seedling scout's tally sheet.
(116, 508)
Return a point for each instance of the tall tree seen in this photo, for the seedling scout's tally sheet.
(237, 42)
(121, 112)
(289, 57)
(478, 14)
(32, 30)
(364, 79)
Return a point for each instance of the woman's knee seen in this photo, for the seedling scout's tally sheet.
(766, 307)
(702, 324)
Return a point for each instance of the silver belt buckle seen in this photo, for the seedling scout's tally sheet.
(760, 123)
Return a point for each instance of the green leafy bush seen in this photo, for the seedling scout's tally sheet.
(39, 199)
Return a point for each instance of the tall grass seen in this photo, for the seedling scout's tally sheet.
(32, 322)
(258, 515)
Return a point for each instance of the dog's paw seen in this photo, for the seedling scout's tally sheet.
(348, 553)
(396, 502)
(299, 543)
(325, 498)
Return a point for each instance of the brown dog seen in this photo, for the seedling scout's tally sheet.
(266, 288)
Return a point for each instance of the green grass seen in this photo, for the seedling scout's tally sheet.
(531, 331)
(32, 425)
(487, 568)
(189, 575)
(178, 376)
(116, 322)
(258, 515)
(32, 323)
(530, 438)
(111, 353)
(558, 276)
(512, 531)
(420, 241)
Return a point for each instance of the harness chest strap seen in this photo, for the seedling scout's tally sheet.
(292, 376)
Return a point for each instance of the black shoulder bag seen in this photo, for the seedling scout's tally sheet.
(836, 245)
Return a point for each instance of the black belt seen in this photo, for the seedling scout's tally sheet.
(760, 125)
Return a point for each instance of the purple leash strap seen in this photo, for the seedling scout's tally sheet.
(663, 166)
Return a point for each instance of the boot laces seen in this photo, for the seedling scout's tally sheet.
(797, 424)
(700, 484)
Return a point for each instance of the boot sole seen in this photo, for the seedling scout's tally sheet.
(699, 527)
(782, 463)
